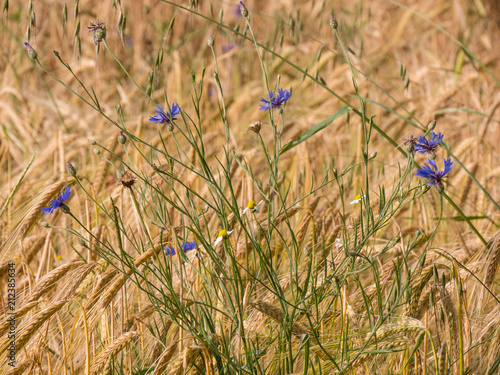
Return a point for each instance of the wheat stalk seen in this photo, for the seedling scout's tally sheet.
(49, 280)
(103, 360)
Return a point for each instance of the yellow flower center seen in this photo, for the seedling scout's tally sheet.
(357, 197)
(223, 233)
(59, 257)
(251, 204)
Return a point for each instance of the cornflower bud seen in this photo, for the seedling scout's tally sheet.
(71, 169)
(439, 187)
(65, 209)
(122, 138)
(100, 35)
(31, 52)
(431, 125)
(243, 10)
(92, 142)
(210, 41)
(333, 23)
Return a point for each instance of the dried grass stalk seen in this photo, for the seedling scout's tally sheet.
(5, 325)
(31, 327)
(47, 282)
(165, 358)
(103, 360)
(189, 355)
(493, 260)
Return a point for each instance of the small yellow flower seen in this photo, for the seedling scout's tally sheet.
(59, 257)
(222, 234)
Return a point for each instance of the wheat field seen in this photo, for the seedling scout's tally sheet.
(159, 214)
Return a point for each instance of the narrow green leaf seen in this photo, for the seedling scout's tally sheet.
(316, 128)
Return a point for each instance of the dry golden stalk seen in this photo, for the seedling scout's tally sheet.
(403, 325)
(32, 246)
(103, 166)
(69, 289)
(417, 288)
(332, 235)
(277, 314)
(159, 347)
(442, 359)
(49, 280)
(5, 324)
(102, 360)
(237, 189)
(297, 329)
(289, 213)
(231, 219)
(107, 296)
(493, 259)
(165, 358)
(85, 285)
(452, 317)
(301, 232)
(177, 368)
(468, 181)
(312, 241)
(423, 302)
(139, 317)
(97, 232)
(20, 367)
(31, 327)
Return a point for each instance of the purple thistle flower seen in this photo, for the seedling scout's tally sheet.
(161, 117)
(58, 202)
(435, 176)
(186, 246)
(275, 101)
(428, 146)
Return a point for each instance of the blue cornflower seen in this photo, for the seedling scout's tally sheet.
(161, 117)
(186, 246)
(428, 146)
(275, 101)
(435, 176)
(58, 202)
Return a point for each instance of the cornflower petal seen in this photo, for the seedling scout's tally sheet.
(58, 202)
(161, 117)
(425, 145)
(186, 246)
(435, 176)
(275, 100)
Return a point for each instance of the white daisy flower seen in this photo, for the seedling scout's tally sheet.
(252, 206)
(338, 243)
(222, 234)
(358, 199)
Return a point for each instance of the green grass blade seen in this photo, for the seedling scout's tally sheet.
(316, 128)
